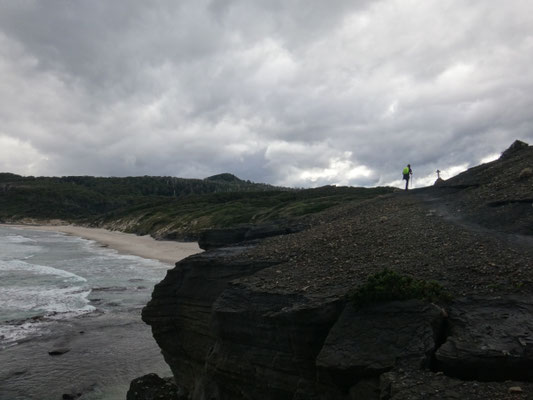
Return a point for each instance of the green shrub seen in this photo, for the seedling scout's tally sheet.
(388, 285)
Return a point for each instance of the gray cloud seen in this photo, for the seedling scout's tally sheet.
(294, 92)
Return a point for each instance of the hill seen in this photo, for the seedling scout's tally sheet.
(410, 295)
(165, 207)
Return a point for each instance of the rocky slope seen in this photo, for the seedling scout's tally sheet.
(274, 319)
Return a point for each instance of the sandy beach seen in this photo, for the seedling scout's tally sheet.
(168, 252)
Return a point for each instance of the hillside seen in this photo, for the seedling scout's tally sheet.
(164, 207)
(410, 295)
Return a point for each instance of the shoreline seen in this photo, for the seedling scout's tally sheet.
(167, 252)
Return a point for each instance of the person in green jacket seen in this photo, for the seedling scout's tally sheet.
(407, 172)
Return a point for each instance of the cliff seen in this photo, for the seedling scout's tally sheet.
(275, 319)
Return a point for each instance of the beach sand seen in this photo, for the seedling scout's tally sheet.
(168, 252)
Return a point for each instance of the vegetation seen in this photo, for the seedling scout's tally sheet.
(389, 285)
(164, 206)
(188, 216)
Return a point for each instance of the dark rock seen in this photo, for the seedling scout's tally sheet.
(70, 396)
(439, 182)
(366, 389)
(367, 342)
(59, 351)
(517, 146)
(181, 305)
(215, 238)
(267, 344)
(525, 174)
(152, 387)
(232, 328)
(489, 339)
(415, 384)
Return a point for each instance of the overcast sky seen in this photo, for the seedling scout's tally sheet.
(289, 92)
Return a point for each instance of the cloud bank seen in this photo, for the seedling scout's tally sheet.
(293, 92)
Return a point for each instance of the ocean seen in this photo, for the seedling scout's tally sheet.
(60, 292)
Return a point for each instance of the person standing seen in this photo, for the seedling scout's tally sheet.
(407, 172)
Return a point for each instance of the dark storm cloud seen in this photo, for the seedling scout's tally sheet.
(294, 92)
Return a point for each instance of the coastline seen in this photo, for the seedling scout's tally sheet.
(167, 252)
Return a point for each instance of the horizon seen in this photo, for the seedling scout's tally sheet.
(426, 181)
(397, 183)
(344, 93)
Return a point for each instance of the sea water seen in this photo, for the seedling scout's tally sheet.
(60, 291)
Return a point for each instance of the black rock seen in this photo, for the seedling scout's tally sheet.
(152, 387)
(514, 148)
(59, 351)
(367, 342)
(489, 339)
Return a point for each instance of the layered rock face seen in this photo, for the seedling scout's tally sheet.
(181, 306)
(224, 341)
(274, 320)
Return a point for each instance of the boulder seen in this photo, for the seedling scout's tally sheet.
(59, 351)
(220, 237)
(267, 344)
(489, 339)
(525, 174)
(214, 238)
(152, 387)
(517, 146)
(370, 341)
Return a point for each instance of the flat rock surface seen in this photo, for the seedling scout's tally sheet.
(402, 232)
(489, 339)
(417, 384)
(371, 340)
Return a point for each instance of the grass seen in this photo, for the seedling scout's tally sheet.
(179, 207)
(389, 285)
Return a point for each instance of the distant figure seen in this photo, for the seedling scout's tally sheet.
(438, 174)
(407, 172)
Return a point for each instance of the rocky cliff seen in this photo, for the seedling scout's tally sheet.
(274, 319)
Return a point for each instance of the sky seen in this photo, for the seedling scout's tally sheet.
(300, 93)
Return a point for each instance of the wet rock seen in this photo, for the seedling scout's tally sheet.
(70, 396)
(152, 387)
(59, 351)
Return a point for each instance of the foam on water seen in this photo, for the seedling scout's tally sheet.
(47, 279)
(36, 269)
(10, 335)
(45, 276)
(18, 239)
(42, 301)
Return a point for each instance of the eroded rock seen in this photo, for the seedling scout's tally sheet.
(152, 387)
(368, 342)
(489, 339)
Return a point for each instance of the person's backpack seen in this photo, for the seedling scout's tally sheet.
(406, 171)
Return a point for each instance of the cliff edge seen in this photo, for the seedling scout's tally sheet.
(275, 319)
